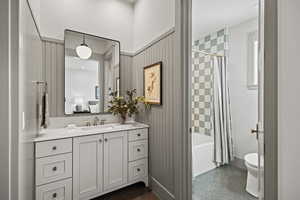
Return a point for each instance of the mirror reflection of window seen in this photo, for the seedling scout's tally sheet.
(82, 76)
(253, 60)
(90, 79)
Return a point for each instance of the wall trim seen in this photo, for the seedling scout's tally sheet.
(182, 136)
(160, 191)
(153, 42)
(34, 20)
(124, 53)
(271, 99)
(47, 39)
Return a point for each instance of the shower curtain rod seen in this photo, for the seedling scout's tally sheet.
(210, 54)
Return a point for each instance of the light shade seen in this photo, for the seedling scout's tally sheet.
(83, 51)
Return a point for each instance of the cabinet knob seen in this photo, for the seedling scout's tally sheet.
(105, 139)
(54, 195)
(54, 148)
(138, 150)
(138, 169)
(138, 134)
(100, 140)
(54, 169)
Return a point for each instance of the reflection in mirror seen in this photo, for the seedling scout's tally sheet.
(91, 72)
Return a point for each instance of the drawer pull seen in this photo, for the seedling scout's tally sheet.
(105, 139)
(54, 195)
(54, 148)
(138, 150)
(54, 169)
(139, 135)
(138, 169)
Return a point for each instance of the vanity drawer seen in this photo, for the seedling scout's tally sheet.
(53, 168)
(139, 134)
(138, 169)
(138, 150)
(53, 147)
(61, 190)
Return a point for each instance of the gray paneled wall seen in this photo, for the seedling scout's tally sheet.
(126, 73)
(160, 118)
(53, 73)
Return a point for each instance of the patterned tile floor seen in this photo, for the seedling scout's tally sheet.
(224, 183)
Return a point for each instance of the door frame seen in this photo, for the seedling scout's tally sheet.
(182, 139)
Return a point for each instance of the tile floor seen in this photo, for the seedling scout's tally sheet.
(134, 192)
(223, 183)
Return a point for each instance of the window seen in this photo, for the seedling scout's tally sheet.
(253, 60)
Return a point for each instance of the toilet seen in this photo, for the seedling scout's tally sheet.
(251, 161)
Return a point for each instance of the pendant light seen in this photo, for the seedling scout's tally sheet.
(83, 51)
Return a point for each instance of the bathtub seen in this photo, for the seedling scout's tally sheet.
(202, 150)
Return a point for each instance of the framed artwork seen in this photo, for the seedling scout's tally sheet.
(153, 83)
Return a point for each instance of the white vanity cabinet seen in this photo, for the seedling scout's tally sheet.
(53, 169)
(87, 166)
(115, 160)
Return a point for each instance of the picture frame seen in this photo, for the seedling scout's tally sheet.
(153, 83)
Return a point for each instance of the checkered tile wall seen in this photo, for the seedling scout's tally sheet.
(202, 79)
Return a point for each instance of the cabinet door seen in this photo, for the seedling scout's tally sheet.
(115, 160)
(87, 166)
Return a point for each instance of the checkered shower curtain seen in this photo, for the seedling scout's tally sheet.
(221, 117)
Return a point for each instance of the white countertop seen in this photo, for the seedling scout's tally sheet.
(60, 133)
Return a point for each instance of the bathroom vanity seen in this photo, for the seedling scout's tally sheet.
(85, 162)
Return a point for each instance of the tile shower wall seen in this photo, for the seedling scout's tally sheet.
(202, 79)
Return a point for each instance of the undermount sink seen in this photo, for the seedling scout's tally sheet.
(106, 127)
(123, 126)
(100, 127)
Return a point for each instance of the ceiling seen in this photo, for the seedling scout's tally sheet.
(211, 15)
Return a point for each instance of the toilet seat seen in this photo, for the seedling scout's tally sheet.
(252, 160)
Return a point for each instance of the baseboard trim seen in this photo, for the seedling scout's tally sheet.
(160, 191)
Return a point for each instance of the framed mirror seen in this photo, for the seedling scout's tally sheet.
(92, 72)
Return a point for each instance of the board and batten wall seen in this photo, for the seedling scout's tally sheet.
(53, 73)
(160, 118)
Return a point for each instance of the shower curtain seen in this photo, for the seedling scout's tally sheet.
(221, 117)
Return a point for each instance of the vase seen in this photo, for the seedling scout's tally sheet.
(122, 119)
(130, 119)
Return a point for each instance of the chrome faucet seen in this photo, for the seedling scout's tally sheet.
(102, 122)
(87, 123)
(96, 121)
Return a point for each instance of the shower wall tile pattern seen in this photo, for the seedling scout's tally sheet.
(202, 79)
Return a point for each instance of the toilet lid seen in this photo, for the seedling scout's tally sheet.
(252, 159)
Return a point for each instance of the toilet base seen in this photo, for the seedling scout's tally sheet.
(252, 185)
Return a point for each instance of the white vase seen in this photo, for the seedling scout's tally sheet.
(130, 119)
